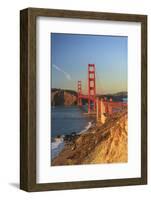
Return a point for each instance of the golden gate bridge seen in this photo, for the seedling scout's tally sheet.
(95, 104)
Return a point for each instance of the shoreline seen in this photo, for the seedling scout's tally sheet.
(59, 142)
(83, 148)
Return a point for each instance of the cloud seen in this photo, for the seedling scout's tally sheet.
(68, 77)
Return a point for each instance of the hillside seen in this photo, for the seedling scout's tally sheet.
(105, 143)
(63, 97)
(114, 148)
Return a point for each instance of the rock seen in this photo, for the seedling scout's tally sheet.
(79, 140)
(63, 97)
(70, 137)
(73, 147)
(73, 133)
(96, 141)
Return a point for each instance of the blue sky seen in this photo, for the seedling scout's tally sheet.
(71, 54)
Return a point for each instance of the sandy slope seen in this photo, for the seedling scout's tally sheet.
(105, 143)
(114, 148)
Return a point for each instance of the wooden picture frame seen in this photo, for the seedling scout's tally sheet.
(28, 98)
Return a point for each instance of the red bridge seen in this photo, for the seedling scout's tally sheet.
(91, 97)
(94, 103)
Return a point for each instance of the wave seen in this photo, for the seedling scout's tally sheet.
(86, 128)
(58, 143)
(56, 147)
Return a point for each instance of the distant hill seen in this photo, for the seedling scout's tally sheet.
(124, 94)
(115, 96)
(63, 97)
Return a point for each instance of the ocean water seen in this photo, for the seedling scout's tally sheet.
(64, 121)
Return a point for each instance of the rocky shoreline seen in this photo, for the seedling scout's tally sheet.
(101, 143)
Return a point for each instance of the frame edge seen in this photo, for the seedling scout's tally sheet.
(24, 99)
(27, 101)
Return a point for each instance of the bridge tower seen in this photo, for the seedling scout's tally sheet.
(79, 87)
(91, 87)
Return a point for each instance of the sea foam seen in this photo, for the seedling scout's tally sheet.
(86, 128)
(56, 147)
(58, 144)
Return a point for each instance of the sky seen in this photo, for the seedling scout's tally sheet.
(71, 54)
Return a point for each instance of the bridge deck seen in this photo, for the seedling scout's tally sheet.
(86, 97)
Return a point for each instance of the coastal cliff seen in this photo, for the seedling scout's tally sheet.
(63, 97)
(102, 143)
(114, 148)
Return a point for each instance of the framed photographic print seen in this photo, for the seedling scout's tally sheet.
(83, 99)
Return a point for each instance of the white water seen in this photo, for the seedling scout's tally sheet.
(57, 147)
(58, 144)
(86, 128)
